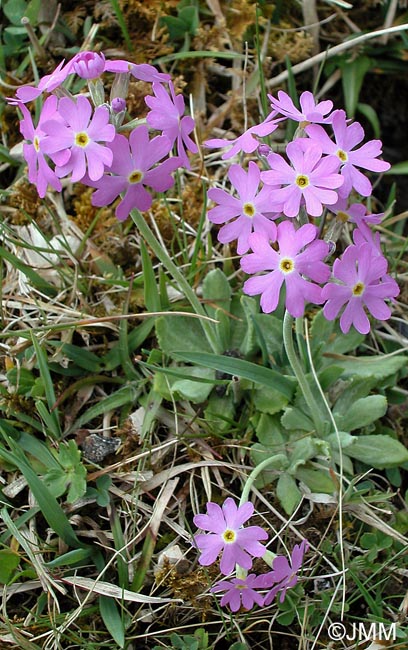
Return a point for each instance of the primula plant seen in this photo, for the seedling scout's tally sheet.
(240, 352)
(239, 546)
(80, 139)
(321, 171)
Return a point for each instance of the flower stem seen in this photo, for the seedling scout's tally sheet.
(296, 366)
(179, 278)
(277, 459)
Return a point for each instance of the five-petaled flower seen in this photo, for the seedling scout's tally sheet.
(310, 111)
(133, 167)
(241, 591)
(82, 133)
(310, 180)
(226, 534)
(346, 139)
(39, 170)
(299, 254)
(284, 575)
(245, 142)
(251, 212)
(361, 280)
(167, 115)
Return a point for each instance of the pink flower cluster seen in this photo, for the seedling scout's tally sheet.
(272, 211)
(78, 139)
(239, 545)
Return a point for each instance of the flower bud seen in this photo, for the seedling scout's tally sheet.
(118, 104)
(89, 65)
(264, 150)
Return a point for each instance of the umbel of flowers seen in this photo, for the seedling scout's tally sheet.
(273, 210)
(82, 137)
(238, 546)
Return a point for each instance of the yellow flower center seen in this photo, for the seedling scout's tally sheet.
(302, 181)
(82, 139)
(249, 209)
(135, 177)
(287, 265)
(36, 143)
(342, 216)
(229, 536)
(358, 289)
(342, 155)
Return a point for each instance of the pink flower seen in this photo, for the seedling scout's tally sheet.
(227, 535)
(81, 135)
(46, 84)
(118, 104)
(240, 592)
(245, 142)
(283, 573)
(354, 213)
(39, 171)
(310, 111)
(131, 170)
(298, 255)
(310, 179)
(363, 235)
(88, 65)
(141, 71)
(251, 207)
(167, 116)
(363, 282)
(346, 139)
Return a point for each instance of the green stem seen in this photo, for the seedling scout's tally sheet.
(300, 375)
(174, 271)
(277, 459)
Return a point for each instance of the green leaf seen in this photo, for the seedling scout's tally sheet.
(71, 474)
(37, 281)
(32, 10)
(378, 451)
(241, 368)
(51, 510)
(216, 292)
(362, 413)
(269, 400)
(186, 388)
(22, 379)
(176, 27)
(371, 115)
(304, 449)
(399, 168)
(316, 480)
(15, 10)
(243, 337)
(199, 54)
(174, 332)
(72, 558)
(271, 330)
(375, 366)
(353, 73)
(295, 419)
(112, 620)
(5, 155)
(125, 395)
(288, 493)
(9, 561)
(220, 412)
(51, 418)
(82, 357)
(151, 292)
